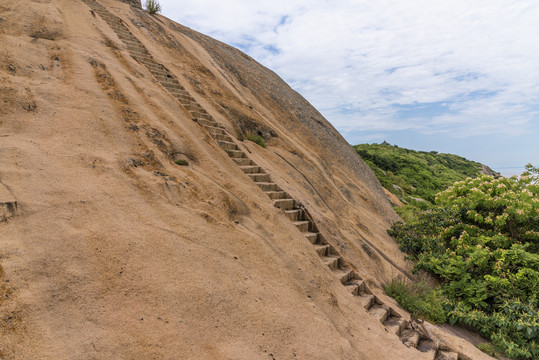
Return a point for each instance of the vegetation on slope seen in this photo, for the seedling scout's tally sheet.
(477, 235)
(481, 240)
(418, 173)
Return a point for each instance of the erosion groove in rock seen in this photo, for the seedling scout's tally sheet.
(292, 209)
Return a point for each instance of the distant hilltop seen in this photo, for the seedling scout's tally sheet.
(413, 175)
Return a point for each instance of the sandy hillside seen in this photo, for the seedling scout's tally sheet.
(110, 250)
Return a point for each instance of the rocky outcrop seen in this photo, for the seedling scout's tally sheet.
(485, 170)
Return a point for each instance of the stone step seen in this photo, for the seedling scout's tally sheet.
(293, 215)
(395, 324)
(428, 347)
(285, 204)
(244, 162)
(201, 115)
(303, 225)
(156, 69)
(171, 84)
(312, 237)
(276, 195)
(269, 186)
(366, 300)
(217, 131)
(227, 145)
(446, 355)
(322, 250)
(133, 49)
(183, 93)
(353, 289)
(221, 137)
(166, 79)
(252, 169)
(358, 287)
(131, 40)
(127, 37)
(171, 87)
(345, 275)
(207, 123)
(236, 154)
(260, 178)
(409, 337)
(183, 99)
(332, 262)
(194, 107)
(143, 58)
(379, 312)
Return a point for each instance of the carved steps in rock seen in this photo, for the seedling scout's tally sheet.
(427, 346)
(213, 130)
(395, 324)
(379, 311)
(244, 162)
(284, 204)
(236, 154)
(269, 186)
(200, 115)
(221, 137)
(262, 178)
(322, 250)
(332, 262)
(292, 215)
(409, 337)
(252, 169)
(303, 225)
(227, 145)
(206, 123)
(312, 237)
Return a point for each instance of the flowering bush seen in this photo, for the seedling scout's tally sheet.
(482, 241)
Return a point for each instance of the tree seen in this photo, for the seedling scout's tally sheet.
(152, 6)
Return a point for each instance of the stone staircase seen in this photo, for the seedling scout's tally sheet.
(407, 331)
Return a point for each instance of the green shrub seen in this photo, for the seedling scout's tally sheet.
(257, 139)
(181, 162)
(419, 299)
(481, 240)
(152, 6)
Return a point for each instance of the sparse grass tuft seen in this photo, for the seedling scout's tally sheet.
(419, 298)
(488, 349)
(257, 139)
(152, 6)
(182, 162)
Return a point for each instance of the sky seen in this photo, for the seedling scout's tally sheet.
(454, 76)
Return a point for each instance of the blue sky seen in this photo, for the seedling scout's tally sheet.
(453, 76)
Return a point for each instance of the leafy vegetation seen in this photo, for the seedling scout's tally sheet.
(488, 348)
(415, 174)
(152, 6)
(418, 298)
(257, 139)
(481, 240)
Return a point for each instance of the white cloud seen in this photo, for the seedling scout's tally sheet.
(475, 59)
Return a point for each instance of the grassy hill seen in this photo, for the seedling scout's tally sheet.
(413, 174)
